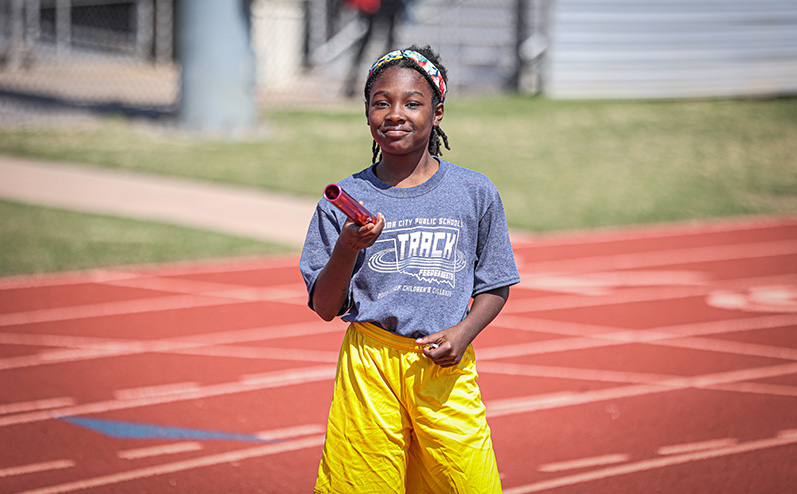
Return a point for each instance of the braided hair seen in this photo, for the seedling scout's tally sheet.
(437, 135)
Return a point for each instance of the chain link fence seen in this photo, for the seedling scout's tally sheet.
(75, 58)
(66, 59)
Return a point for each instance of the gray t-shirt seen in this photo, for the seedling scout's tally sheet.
(444, 242)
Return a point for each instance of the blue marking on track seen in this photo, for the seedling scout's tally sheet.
(135, 430)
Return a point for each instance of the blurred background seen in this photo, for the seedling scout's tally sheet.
(585, 113)
(130, 55)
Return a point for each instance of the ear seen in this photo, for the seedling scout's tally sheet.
(367, 120)
(439, 110)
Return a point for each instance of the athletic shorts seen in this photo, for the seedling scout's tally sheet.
(399, 423)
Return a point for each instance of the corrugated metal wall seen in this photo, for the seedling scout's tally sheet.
(670, 49)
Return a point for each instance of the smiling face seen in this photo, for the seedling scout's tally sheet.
(401, 113)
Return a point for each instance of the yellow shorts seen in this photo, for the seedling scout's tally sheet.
(399, 423)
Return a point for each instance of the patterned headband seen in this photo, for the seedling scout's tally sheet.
(422, 62)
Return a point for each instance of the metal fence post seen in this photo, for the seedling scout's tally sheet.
(164, 32)
(218, 66)
(144, 28)
(63, 25)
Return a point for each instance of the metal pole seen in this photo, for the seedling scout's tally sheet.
(145, 31)
(521, 7)
(63, 25)
(17, 41)
(32, 23)
(164, 30)
(218, 66)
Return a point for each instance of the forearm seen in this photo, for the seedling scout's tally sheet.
(332, 285)
(485, 307)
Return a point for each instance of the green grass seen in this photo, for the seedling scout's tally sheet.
(63, 241)
(558, 164)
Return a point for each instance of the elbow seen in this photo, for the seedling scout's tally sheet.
(324, 309)
(325, 316)
(325, 313)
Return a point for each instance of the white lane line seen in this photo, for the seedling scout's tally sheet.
(732, 347)
(26, 282)
(228, 290)
(533, 403)
(651, 464)
(633, 295)
(125, 307)
(36, 468)
(593, 375)
(663, 335)
(190, 446)
(206, 267)
(668, 257)
(27, 406)
(757, 388)
(187, 298)
(60, 356)
(259, 353)
(541, 348)
(684, 229)
(601, 283)
(275, 379)
(788, 434)
(92, 348)
(291, 432)
(160, 390)
(678, 449)
(556, 372)
(595, 461)
(57, 340)
(286, 378)
(204, 461)
(186, 268)
(165, 449)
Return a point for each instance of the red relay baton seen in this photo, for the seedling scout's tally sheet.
(346, 203)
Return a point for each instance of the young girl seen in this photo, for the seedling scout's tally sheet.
(406, 413)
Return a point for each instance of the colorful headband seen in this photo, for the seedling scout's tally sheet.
(422, 62)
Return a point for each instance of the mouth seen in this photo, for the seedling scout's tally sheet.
(395, 133)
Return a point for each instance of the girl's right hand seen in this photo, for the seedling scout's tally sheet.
(356, 237)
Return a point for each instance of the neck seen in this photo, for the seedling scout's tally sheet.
(406, 171)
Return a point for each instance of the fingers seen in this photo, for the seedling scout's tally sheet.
(359, 237)
(441, 353)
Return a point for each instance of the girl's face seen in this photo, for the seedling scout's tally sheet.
(400, 111)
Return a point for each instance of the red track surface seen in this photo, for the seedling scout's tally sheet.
(650, 360)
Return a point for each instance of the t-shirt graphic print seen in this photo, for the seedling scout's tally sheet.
(428, 254)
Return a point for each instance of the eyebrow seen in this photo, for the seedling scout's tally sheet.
(406, 93)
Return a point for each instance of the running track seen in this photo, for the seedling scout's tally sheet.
(660, 359)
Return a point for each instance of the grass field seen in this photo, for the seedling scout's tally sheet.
(38, 240)
(558, 164)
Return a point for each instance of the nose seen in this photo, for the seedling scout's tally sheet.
(395, 114)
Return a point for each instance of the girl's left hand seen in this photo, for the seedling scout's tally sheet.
(446, 348)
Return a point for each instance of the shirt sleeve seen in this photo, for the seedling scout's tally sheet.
(495, 261)
(322, 234)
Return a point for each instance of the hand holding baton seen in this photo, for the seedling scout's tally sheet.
(346, 203)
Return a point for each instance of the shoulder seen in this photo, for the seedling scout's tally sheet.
(469, 179)
(361, 181)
